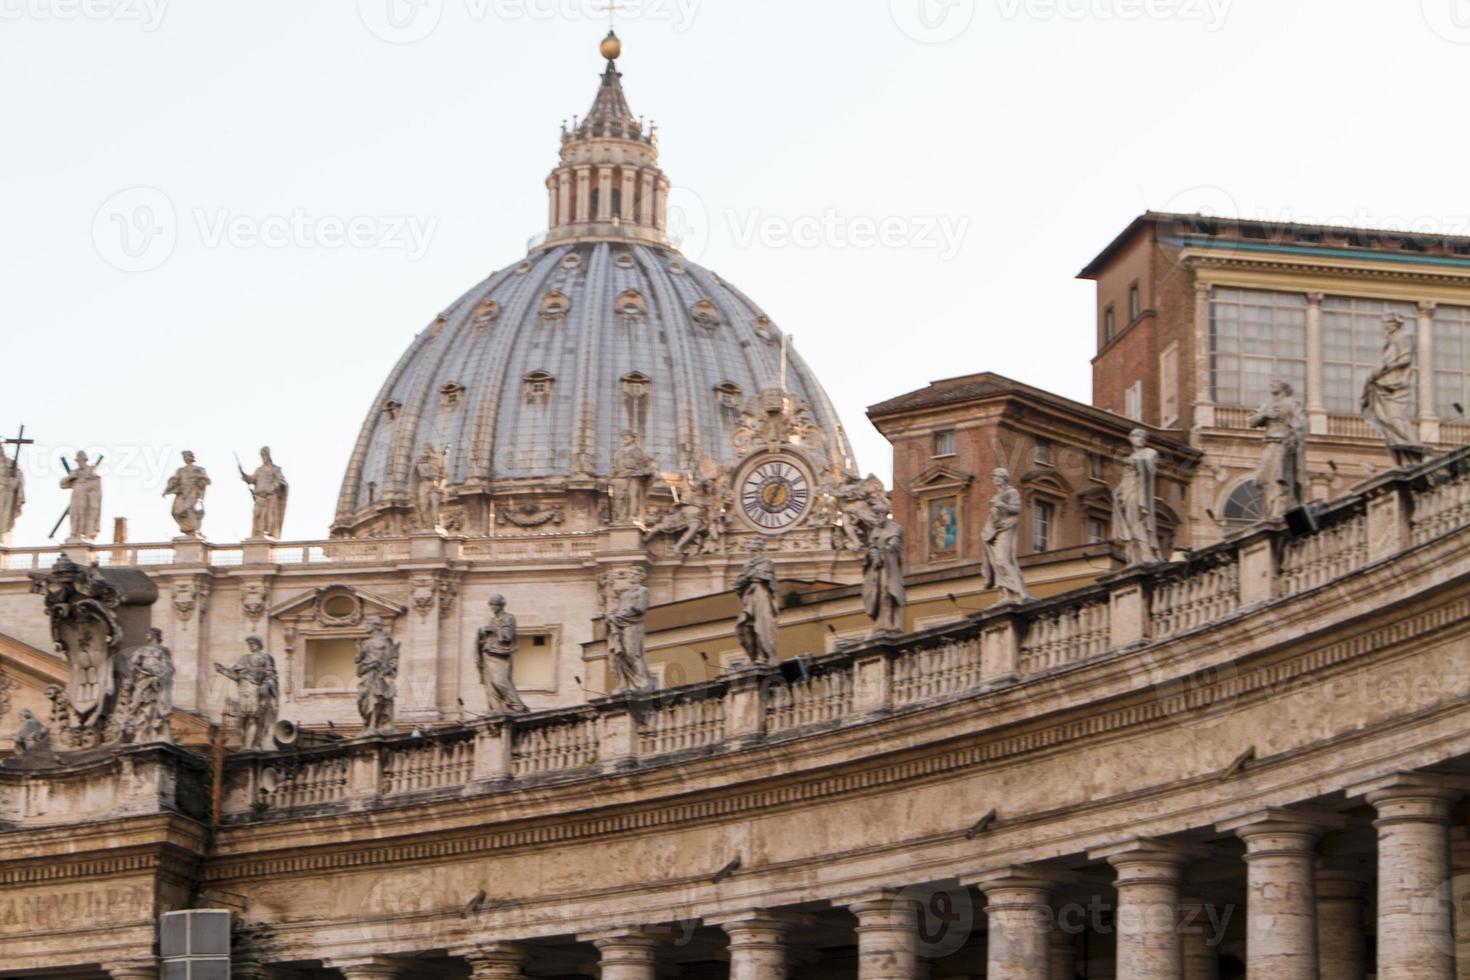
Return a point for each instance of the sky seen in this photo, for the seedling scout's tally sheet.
(224, 222)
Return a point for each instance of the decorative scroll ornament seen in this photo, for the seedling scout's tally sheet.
(531, 515)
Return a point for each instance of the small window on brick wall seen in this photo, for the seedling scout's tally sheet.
(1043, 519)
(944, 442)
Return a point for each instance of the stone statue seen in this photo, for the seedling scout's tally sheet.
(625, 635)
(1135, 515)
(1388, 395)
(864, 506)
(430, 474)
(699, 519)
(187, 487)
(269, 489)
(12, 494)
(257, 694)
(85, 510)
(150, 691)
(756, 586)
(495, 645)
(1282, 476)
(999, 568)
(377, 678)
(632, 471)
(884, 596)
(33, 735)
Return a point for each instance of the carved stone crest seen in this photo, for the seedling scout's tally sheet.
(187, 594)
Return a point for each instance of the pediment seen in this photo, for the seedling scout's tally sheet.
(940, 477)
(1046, 479)
(337, 605)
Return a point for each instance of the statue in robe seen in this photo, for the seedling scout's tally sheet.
(1135, 515)
(1281, 476)
(257, 694)
(626, 632)
(999, 568)
(377, 678)
(269, 489)
(495, 645)
(187, 487)
(150, 691)
(1388, 395)
(757, 623)
(884, 596)
(85, 510)
(633, 470)
(430, 474)
(12, 494)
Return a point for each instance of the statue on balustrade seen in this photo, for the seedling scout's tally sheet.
(33, 735)
(999, 568)
(1135, 516)
(495, 646)
(377, 678)
(698, 518)
(1388, 395)
(1282, 476)
(884, 596)
(85, 509)
(150, 691)
(257, 694)
(430, 474)
(863, 506)
(757, 623)
(187, 487)
(269, 490)
(633, 470)
(626, 632)
(12, 494)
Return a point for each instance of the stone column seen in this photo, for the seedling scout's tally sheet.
(1314, 395)
(1018, 906)
(626, 954)
(604, 193)
(1204, 398)
(564, 212)
(1341, 944)
(1281, 903)
(1201, 959)
(584, 193)
(1063, 955)
(140, 969)
(1424, 359)
(645, 198)
(888, 937)
(494, 961)
(1415, 929)
(1149, 877)
(626, 213)
(758, 944)
(1460, 895)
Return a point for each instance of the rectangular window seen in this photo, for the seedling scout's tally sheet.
(944, 443)
(1133, 401)
(1043, 515)
(1110, 325)
(1042, 454)
(1097, 530)
(1256, 337)
(1135, 303)
(1169, 386)
(328, 664)
(534, 664)
(1352, 346)
(1451, 361)
(1095, 466)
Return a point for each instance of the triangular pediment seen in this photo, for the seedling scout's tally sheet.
(940, 477)
(337, 604)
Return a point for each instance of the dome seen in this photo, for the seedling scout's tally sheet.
(528, 383)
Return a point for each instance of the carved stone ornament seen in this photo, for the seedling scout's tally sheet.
(188, 594)
(530, 515)
(95, 614)
(253, 600)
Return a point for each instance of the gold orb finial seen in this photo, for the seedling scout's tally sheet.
(611, 46)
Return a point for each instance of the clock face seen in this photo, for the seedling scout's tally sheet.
(774, 495)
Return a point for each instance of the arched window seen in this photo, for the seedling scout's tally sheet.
(538, 386)
(706, 313)
(486, 313)
(450, 394)
(1244, 506)
(554, 305)
(630, 302)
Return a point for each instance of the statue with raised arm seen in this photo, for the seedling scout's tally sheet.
(999, 568)
(884, 596)
(85, 510)
(495, 645)
(633, 470)
(1281, 477)
(150, 691)
(12, 494)
(430, 474)
(626, 630)
(269, 489)
(1388, 395)
(257, 694)
(756, 586)
(187, 487)
(377, 678)
(1135, 515)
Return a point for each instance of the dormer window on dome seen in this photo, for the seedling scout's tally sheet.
(706, 313)
(451, 393)
(630, 302)
(486, 313)
(390, 409)
(538, 385)
(555, 305)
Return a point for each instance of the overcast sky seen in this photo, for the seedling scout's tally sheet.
(907, 186)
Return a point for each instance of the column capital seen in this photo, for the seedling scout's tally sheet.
(1202, 289)
(1427, 307)
(758, 920)
(365, 967)
(494, 961)
(1144, 861)
(1409, 788)
(1279, 830)
(1020, 885)
(882, 906)
(144, 968)
(631, 938)
(1316, 298)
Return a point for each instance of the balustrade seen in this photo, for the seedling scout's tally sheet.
(1195, 595)
(687, 723)
(1063, 636)
(947, 666)
(822, 697)
(1442, 507)
(562, 744)
(1311, 560)
(434, 764)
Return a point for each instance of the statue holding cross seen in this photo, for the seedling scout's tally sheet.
(12, 485)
